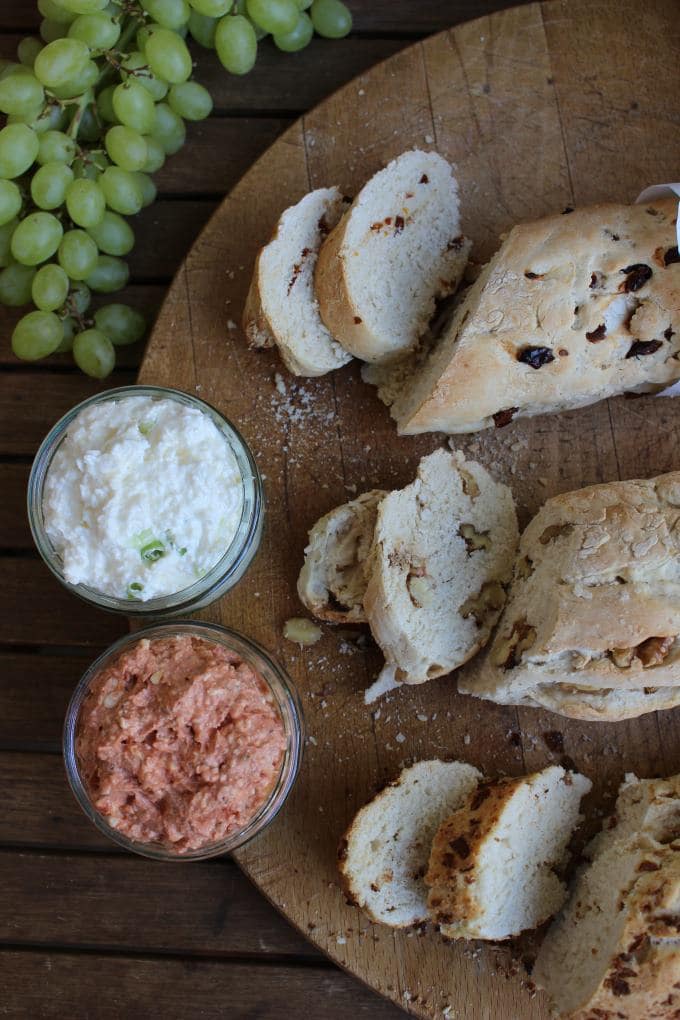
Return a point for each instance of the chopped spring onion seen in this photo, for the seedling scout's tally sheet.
(133, 589)
(152, 551)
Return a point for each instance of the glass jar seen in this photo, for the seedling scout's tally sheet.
(222, 576)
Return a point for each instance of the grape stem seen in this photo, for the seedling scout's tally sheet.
(83, 102)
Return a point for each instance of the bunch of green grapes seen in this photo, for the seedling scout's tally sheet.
(93, 109)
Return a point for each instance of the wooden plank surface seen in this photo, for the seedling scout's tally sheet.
(492, 95)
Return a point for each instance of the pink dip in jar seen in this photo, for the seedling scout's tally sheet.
(179, 742)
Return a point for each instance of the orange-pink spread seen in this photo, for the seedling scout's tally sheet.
(179, 742)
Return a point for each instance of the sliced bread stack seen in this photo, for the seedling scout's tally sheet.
(615, 949)
(591, 628)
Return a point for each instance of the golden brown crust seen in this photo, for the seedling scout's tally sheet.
(256, 325)
(338, 314)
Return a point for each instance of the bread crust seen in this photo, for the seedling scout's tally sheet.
(338, 314)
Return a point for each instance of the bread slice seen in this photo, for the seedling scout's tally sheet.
(281, 307)
(332, 581)
(443, 550)
(383, 855)
(592, 623)
(615, 949)
(396, 251)
(492, 871)
(571, 310)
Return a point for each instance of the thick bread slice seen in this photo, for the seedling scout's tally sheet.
(383, 855)
(396, 251)
(572, 309)
(281, 307)
(443, 550)
(492, 867)
(332, 581)
(593, 615)
(615, 949)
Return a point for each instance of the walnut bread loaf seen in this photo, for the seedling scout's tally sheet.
(281, 307)
(396, 251)
(332, 582)
(592, 623)
(572, 309)
(614, 951)
(442, 553)
(383, 856)
(492, 870)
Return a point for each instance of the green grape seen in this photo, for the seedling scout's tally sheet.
(18, 149)
(80, 84)
(83, 6)
(9, 67)
(133, 106)
(89, 129)
(275, 16)
(28, 117)
(236, 44)
(136, 68)
(79, 298)
(15, 285)
(49, 287)
(37, 335)
(155, 156)
(331, 18)
(304, 5)
(6, 232)
(168, 56)
(85, 203)
(147, 187)
(94, 353)
(36, 238)
(167, 13)
(114, 235)
(49, 185)
(212, 8)
(203, 29)
(121, 191)
(28, 49)
(69, 325)
(105, 105)
(190, 101)
(55, 147)
(52, 30)
(109, 274)
(47, 118)
(98, 31)
(77, 254)
(90, 165)
(300, 36)
(61, 61)
(21, 93)
(168, 130)
(126, 147)
(55, 12)
(10, 201)
(121, 324)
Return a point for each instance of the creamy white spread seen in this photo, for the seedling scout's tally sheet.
(142, 497)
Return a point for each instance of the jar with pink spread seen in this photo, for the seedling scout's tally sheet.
(183, 741)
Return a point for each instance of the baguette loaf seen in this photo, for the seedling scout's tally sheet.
(394, 253)
(593, 616)
(383, 855)
(571, 309)
(281, 307)
(492, 867)
(442, 552)
(332, 582)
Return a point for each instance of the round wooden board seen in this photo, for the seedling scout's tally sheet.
(540, 107)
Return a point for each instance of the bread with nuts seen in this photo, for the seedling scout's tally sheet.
(383, 856)
(493, 869)
(591, 628)
(442, 553)
(396, 251)
(281, 308)
(332, 582)
(572, 309)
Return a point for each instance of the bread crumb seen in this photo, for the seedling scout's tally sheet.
(429, 139)
(466, 739)
(231, 324)
(421, 717)
(301, 631)
(400, 738)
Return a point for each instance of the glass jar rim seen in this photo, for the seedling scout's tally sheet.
(288, 705)
(228, 564)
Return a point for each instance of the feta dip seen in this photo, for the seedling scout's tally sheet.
(142, 497)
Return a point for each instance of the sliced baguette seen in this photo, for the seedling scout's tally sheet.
(442, 552)
(396, 251)
(332, 582)
(492, 871)
(383, 855)
(281, 307)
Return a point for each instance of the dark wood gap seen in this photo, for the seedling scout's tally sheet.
(317, 962)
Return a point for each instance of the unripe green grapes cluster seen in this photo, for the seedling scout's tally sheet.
(94, 107)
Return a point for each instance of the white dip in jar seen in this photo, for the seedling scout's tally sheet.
(142, 497)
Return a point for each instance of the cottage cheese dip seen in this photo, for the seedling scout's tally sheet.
(142, 497)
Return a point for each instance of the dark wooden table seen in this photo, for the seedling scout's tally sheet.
(85, 930)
